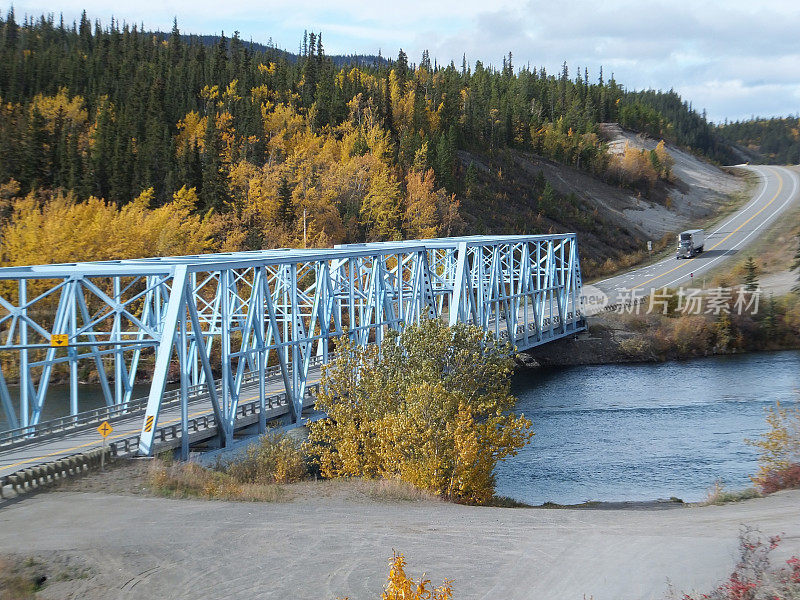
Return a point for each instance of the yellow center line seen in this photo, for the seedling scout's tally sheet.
(686, 262)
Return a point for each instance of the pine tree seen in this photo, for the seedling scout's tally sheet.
(285, 204)
(751, 275)
(35, 165)
(214, 190)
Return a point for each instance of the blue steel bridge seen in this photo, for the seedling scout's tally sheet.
(245, 333)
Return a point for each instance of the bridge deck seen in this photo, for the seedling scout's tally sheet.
(36, 450)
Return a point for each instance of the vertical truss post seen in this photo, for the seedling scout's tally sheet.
(24, 371)
(5, 402)
(184, 383)
(163, 357)
(228, 409)
(72, 350)
(295, 317)
(116, 333)
(261, 343)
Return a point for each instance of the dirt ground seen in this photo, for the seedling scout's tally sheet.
(332, 541)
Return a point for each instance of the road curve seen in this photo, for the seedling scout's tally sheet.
(777, 191)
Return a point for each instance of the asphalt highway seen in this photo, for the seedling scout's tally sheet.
(777, 191)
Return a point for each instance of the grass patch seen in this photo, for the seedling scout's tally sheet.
(358, 489)
(506, 502)
(190, 480)
(254, 475)
(20, 579)
(718, 495)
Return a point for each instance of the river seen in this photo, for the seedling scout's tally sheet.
(645, 431)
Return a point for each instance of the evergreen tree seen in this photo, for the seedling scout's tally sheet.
(285, 204)
(35, 166)
(751, 275)
(214, 191)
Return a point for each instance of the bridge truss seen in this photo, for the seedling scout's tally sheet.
(217, 321)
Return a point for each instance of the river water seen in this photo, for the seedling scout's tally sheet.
(645, 431)
(624, 432)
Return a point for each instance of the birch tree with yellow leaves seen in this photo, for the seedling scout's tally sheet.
(431, 406)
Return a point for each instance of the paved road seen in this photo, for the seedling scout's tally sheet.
(777, 191)
(13, 459)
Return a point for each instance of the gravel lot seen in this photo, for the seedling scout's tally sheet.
(326, 543)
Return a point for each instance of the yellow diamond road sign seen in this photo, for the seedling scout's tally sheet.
(59, 340)
(105, 429)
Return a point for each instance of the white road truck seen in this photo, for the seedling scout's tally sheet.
(690, 243)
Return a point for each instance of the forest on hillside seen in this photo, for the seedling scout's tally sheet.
(771, 141)
(182, 145)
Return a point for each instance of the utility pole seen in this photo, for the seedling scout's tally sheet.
(305, 245)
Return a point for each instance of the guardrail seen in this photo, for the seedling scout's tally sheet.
(168, 436)
(84, 420)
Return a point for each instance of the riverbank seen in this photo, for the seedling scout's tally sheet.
(126, 546)
(637, 336)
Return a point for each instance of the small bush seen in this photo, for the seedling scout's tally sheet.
(779, 449)
(402, 587)
(782, 479)
(639, 348)
(718, 495)
(276, 459)
(753, 577)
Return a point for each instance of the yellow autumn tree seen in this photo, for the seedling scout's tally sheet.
(191, 130)
(60, 229)
(779, 446)
(431, 406)
(664, 160)
(420, 219)
(60, 107)
(380, 212)
(634, 167)
(429, 212)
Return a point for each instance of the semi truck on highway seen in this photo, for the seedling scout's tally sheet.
(690, 243)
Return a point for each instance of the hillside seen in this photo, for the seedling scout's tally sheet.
(516, 191)
(258, 148)
(697, 191)
(768, 141)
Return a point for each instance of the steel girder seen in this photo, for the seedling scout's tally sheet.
(219, 320)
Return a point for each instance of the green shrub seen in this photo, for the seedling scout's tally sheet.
(276, 459)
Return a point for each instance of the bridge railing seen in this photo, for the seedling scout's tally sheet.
(168, 436)
(86, 419)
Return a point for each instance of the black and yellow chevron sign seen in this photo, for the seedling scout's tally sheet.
(59, 340)
(148, 423)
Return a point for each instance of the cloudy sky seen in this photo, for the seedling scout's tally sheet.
(735, 58)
